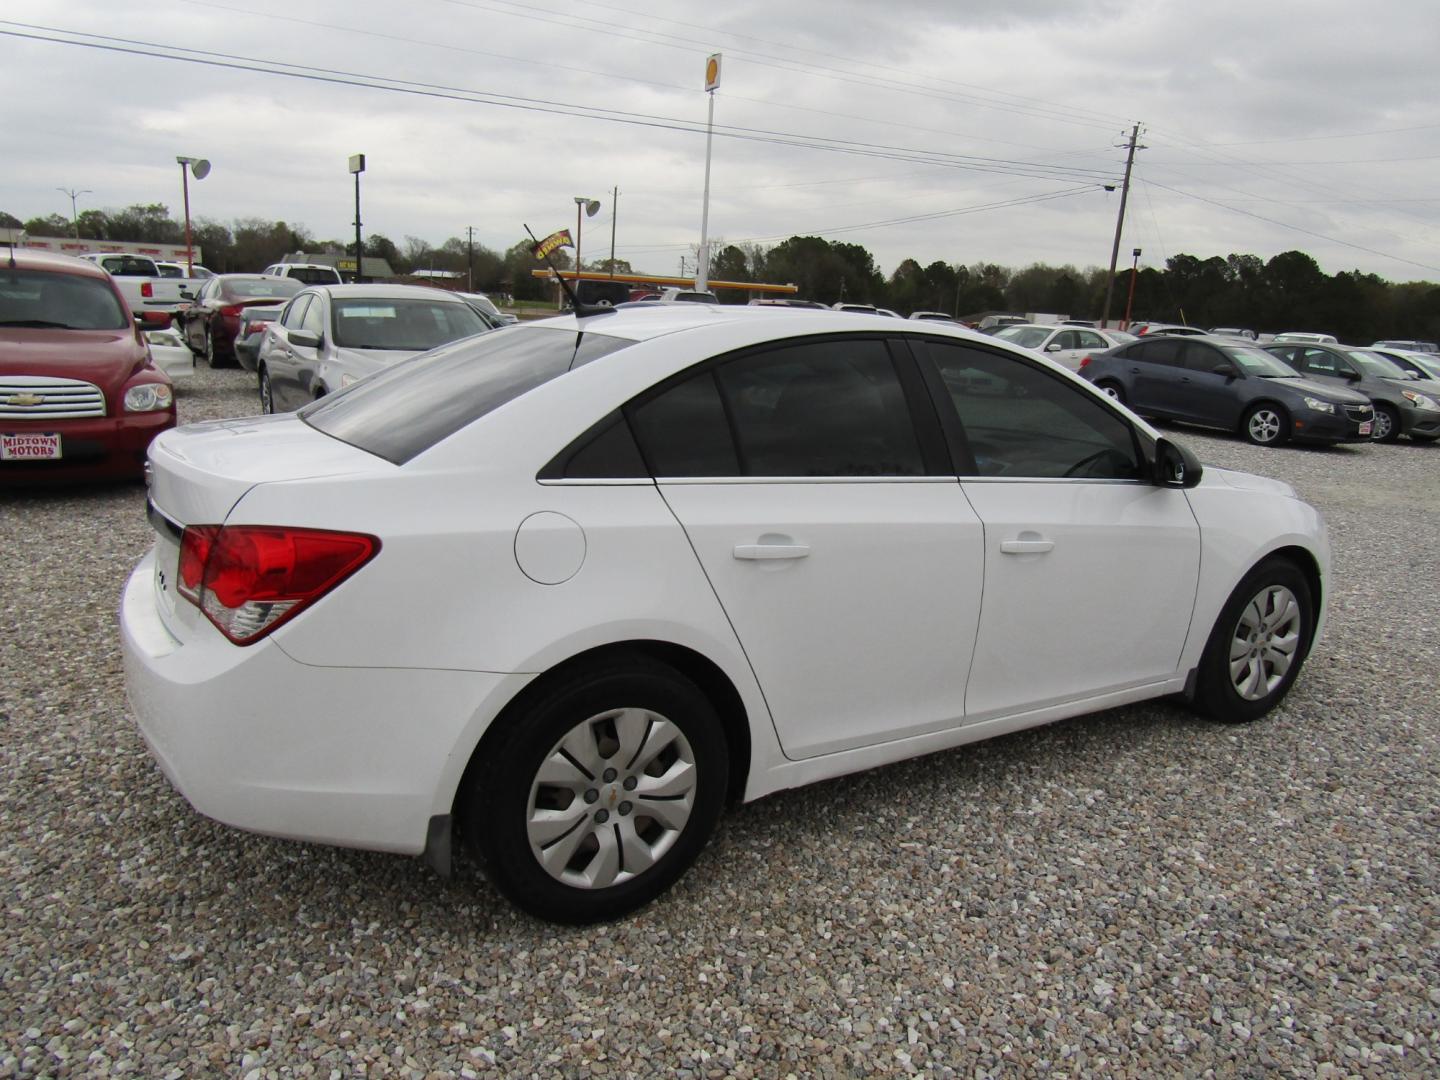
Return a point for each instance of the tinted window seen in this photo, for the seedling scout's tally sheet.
(684, 432)
(313, 275)
(1023, 422)
(1089, 340)
(606, 451)
(129, 266)
(1201, 357)
(1320, 362)
(412, 405)
(1166, 351)
(62, 301)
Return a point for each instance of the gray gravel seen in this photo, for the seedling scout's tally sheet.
(1131, 894)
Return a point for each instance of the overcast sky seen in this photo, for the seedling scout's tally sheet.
(912, 127)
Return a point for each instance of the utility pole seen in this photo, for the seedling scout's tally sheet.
(1119, 224)
(74, 215)
(614, 213)
(469, 258)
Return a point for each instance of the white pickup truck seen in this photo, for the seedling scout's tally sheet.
(141, 282)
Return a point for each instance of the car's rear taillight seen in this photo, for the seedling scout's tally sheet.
(232, 311)
(249, 579)
(1084, 361)
(147, 289)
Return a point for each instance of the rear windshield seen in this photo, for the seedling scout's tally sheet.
(314, 275)
(405, 324)
(1027, 337)
(129, 266)
(260, 287)
(410, 406)
(36, 298)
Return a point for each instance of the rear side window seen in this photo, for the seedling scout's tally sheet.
(818, 408)
(1022, 422)
(1165, 351)
(414, 404)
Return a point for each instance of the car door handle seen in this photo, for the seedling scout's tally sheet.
(1026, 547)
(771, 551)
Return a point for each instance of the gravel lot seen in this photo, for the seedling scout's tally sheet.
(1133, 893)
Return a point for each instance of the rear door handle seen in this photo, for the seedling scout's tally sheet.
(771, 551)
(1026, 547)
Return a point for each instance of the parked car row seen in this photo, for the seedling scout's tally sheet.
(1311, 391)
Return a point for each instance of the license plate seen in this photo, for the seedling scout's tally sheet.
(39, 446)
(1365, 428)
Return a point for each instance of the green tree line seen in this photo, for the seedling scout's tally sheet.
(1286, 292)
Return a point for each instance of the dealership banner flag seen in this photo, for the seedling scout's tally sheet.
(555, 240)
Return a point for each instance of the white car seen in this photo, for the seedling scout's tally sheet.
(1067, 345)
(169, 352)
(568, 587)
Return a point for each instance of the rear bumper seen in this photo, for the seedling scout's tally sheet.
(105, 448)
(357, 757)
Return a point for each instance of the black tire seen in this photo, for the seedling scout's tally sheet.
(1386, 427)
(503, 793)
(1111, 387)
(267, 393)
(1266, 424)
(1216, 692)
(212, 355)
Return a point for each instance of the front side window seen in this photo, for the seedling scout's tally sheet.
(1320, 362)
(1022, 422)
(832, 408)
(295, 312)
(314, 320)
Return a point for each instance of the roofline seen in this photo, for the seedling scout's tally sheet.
(660, 279)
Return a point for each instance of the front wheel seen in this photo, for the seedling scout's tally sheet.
(267, 394)
(1258, 644)
(1266, 425)
(1386, 426)
(595, 799)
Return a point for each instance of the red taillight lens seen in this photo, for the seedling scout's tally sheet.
(1084, 362)
(231, 311)
(147, 289)
(249, 579)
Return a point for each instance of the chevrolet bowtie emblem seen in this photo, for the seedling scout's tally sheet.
(26, 400)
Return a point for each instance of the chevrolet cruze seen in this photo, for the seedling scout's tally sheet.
(565, 589)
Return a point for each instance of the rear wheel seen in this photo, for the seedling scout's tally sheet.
(1258, 644)
(597, 797)
(1112, 388)
(1266, 425)
(1386, 427)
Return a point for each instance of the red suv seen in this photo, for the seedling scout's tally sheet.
(80, 398)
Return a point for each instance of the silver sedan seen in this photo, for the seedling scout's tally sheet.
(330, 336)
(1066, 345)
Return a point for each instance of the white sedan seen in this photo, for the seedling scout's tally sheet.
(1066, 345)
(567, 588)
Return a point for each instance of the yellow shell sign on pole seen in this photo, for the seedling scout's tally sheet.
(712, 72)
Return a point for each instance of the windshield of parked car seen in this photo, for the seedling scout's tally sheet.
(1375, 364)
(44, 300)
(1425, 362)
(411, 406)
(1027, 337)
(402, 322)
(261, 288)
(1259, 362)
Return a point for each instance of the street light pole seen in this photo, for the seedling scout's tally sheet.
(74, 215)
(357, 166)
(201, 168)
(1130, 301)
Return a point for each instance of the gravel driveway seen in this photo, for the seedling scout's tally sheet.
(1133, 893)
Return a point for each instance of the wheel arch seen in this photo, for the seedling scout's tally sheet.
(698, 668)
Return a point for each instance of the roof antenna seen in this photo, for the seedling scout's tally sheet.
(541, 251)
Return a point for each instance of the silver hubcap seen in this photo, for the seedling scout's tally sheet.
(1110, 391)
(1264, 426)
(611, 798)
(1264, 643)
(1380, 427)
(267, 404)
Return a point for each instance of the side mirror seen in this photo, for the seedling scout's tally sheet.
(1227, 370)
(1176, 466)
(1352, 376)
(1054, 346)
(306, 339)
